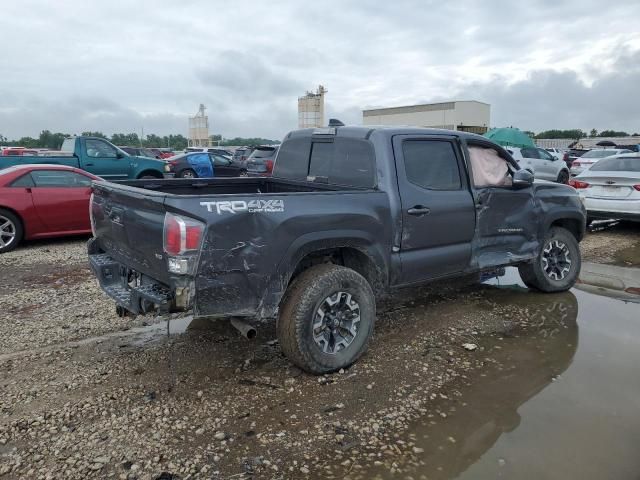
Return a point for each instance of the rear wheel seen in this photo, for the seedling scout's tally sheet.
(326, 318)
(11, 231)
(188, 173)
(243, 173)
(557, 266)
(563, 177)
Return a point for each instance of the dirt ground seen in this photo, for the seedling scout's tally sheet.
(86, 394)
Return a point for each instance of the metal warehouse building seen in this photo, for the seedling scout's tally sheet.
(467, 115)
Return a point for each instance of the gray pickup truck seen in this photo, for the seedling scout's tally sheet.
(349, 214)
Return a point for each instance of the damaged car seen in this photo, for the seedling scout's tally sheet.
(349, 214)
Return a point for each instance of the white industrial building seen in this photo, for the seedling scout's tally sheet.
(311, 109)
(468, 115)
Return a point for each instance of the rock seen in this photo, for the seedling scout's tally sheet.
(304, 470)
(220, 436)
(470, 346)
(418, 450)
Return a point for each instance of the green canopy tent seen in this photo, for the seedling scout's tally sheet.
(509, 137)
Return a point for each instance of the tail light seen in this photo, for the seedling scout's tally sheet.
(181, 234)
(575, 163)
(637, 187)
(91, 217)
(269, 165)
(578, 183)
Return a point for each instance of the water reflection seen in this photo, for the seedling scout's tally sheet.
(622, 283)
(519, 368)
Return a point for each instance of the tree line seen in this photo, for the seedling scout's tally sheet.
(577, 134)
(53, 141)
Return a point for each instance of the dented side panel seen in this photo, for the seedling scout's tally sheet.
(253, 244)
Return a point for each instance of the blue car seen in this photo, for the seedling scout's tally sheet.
(203, 165)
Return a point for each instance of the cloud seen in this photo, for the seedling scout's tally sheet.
(114, 67)
(547, 99)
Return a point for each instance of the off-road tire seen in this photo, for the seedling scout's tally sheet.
(533, 274)
(17, 225)
(303, 298)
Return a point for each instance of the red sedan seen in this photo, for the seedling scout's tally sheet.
(38, 201)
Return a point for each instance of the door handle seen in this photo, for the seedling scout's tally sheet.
(88, 164)
(419, 210)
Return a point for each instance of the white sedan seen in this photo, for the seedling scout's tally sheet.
(592, 156)
(611, 188)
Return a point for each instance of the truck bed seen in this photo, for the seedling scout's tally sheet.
(229, 186)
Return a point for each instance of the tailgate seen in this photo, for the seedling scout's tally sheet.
(128, 224)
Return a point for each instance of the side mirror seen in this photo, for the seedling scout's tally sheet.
(119, 155)
(522, 178)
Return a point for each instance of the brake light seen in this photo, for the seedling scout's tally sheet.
(637, 187)
(575, 163)
(269, 165)
(578, 184)
(91, 217)
(181, 234)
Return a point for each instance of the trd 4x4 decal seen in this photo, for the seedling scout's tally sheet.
(252, 206)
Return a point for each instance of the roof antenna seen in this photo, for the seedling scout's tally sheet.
(334, 122)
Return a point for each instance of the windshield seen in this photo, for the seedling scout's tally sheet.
(598, 154)
(618, 164)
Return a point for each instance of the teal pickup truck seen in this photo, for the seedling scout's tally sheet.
(97, 156)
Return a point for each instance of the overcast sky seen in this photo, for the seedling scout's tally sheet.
(118, 66)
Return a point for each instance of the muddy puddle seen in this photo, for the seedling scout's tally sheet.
(561, 400)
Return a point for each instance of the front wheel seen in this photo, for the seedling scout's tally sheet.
(557, 266)
(326, 318)
(10, 231)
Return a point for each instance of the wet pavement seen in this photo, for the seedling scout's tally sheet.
(560, 401)
(550, 390)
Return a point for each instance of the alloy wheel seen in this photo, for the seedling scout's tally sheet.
(335, 324)
(556, 260)
(7, 232)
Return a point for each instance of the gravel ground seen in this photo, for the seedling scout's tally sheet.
(130, 402)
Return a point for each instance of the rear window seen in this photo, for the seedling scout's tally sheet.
(263, 153)
(617, 165)
(598, 154)
(343, 161)
(68, 145)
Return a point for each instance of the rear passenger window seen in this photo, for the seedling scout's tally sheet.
(431, 164)
(23, 181)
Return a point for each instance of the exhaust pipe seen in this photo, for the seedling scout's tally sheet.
(245, 329)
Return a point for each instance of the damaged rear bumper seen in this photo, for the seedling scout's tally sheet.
(131, 290)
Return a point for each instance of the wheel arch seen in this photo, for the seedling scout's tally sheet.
(354, 250)
(149, 173)
(574, 225)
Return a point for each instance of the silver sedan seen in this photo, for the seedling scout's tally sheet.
(610, 188)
